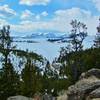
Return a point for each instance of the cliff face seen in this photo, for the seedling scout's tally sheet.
(87, 88)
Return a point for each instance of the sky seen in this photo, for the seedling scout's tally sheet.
(31, 16)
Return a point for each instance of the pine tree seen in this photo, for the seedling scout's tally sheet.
(31, 79)
(69, 56)
(6, 45)
(78, 34)
(9, 79)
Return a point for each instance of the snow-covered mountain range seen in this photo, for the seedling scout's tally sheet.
(46, 35)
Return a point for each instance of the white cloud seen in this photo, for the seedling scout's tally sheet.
(34, 2)
(97, 4)
(44, 13)
(3, 22)
(27, 14)
(65, 16)
(37, 17)
(73, 13)
(6, 11)
(60, 22)
(2, 16)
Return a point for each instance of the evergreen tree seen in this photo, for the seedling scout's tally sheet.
(69, 56)
(9, 82)
(9, 79)
(47, 75)
(6, 46)
(31, 79)
(78, 34)
(48, 70)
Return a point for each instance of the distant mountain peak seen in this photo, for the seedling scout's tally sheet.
(46, 35)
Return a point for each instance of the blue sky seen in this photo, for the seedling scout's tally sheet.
(28, 16)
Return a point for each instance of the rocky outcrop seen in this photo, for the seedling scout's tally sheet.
(87, 88)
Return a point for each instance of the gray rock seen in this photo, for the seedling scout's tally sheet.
(95, 93)
(19, 98)
(87, 86)
(92, 72)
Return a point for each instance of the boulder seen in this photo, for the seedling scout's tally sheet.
(87, 88)
(95, 94)
(19, 97)
(92, 72)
